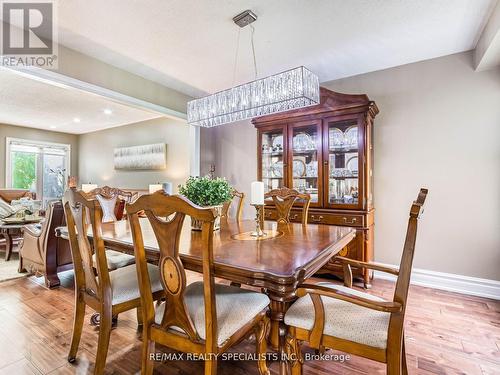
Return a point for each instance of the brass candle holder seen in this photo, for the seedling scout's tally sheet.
(258, 229)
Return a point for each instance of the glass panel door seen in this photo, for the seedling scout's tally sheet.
(54, 176)
(344, 164)
(305, 158)
(40, 167)
(24, 167)
(272, 146)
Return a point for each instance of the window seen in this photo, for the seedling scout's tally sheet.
(41, 167)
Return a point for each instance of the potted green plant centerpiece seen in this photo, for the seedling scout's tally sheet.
(207, 192)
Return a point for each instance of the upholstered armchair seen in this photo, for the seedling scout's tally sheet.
(41, 252)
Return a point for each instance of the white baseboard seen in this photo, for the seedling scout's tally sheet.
(453, 283)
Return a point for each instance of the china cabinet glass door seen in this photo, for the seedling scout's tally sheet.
(344, 165)
(305, 159)
(273, 158)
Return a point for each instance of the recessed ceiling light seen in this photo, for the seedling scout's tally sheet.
(76, 119)
(53, 126)
(108, 111)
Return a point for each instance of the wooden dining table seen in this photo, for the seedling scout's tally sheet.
(278, 265)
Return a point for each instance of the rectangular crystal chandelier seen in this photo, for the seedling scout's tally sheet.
(292, 89)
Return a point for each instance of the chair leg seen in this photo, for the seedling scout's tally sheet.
(394, 363)
(403, 359)
(139, 316)
(21, 268)
(148, 347)
(77, 327)
(261, 332)
(211, 366)
(294, 354)
(103, 342)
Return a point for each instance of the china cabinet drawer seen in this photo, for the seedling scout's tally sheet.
(270, 214)
(334, 219)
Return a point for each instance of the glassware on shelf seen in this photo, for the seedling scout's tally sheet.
(343, 191)
(277, 169)
(339, 140)
(352, 165)
(351, 137)
(303, 142)
(299, 168)
(312, 169)
(336, 138)
(278, 143)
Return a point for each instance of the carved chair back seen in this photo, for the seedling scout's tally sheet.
(111, 192)
(81, 214)
(239, 209)
(122, 196)
(284, 198)
(166, 214)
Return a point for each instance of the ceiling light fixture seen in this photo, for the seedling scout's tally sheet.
(108, 111)
(291, 89)
(76, 119)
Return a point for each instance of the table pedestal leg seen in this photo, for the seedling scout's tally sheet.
(8, 246)
(277, 337)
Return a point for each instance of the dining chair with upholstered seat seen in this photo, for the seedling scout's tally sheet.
(239, 209)
(112, 201)
(107, 292)
(339, 317)
(284, 198)
(202, 317)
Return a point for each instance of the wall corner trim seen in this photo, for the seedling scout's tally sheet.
(473, 286)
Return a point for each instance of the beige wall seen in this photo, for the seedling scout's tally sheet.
(438, 127)
(36, 135)
(96, 153)
(87, 69)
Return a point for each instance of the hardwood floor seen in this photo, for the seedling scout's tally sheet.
(447, 333)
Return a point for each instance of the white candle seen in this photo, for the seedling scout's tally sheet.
(154, 188)
(257, 193)
(88, 187)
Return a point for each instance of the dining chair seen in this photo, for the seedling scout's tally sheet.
(239, 209)
(202, 317)
(339, 317)
(112, 201)
(107, 292)
(284, 198)
(119, 196)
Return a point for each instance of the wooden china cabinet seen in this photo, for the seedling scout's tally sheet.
(325, 150)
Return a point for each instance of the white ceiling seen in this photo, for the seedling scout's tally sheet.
(32, 103)
(190, 45)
